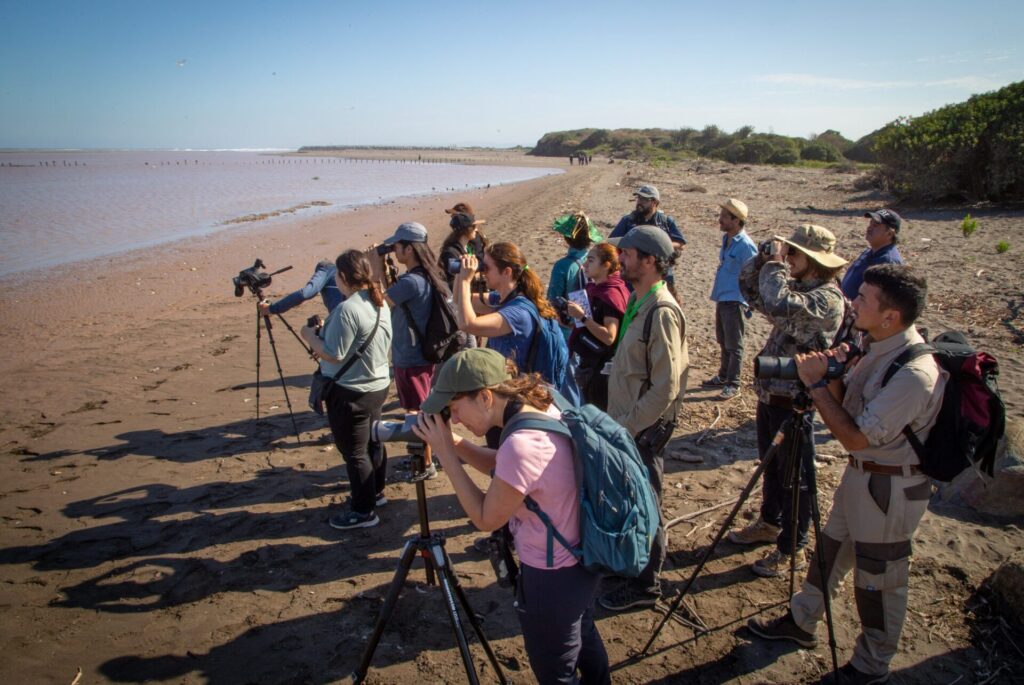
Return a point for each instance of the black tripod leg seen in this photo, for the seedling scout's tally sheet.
(769, 455)
(794, 465)
(819, 557)
(259, 336)
(404, 563)
(280, 374)
(446, 572)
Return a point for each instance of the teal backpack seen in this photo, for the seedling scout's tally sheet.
(618, 510)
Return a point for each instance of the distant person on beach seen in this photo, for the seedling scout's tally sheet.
(593, 343)
(647, 213)
(882, 234)
(357, 395)
(883, 494)
(485, 392)
(646, 382)
(411, 301)
(567, 274)
(322, 282)
(730, 307)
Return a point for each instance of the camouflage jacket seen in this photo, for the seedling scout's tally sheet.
(805, 315)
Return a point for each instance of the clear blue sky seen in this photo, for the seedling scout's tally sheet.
(212, 74)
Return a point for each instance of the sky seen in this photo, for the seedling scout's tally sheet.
(225, 74)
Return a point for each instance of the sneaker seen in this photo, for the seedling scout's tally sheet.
(713, 382)
(381, 500)
(782, 628)
(848, 675)
(628, 597)
(353, 519)
(775, 563)
(482, 545)
(728, 392)
(758, 532)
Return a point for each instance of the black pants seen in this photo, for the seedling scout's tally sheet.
(350, 414)
(593, 386)
(556, 613)
(648, 578)
(729, 328)
(777, 501)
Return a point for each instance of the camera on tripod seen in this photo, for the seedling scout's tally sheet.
(401, 431)
(252, 278)
(784, 368)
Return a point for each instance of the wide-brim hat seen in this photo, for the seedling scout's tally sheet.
(817, 242)
(567, 225)
(468, 370)
(735, 207)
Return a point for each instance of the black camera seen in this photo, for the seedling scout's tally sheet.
(455, 266)
(314, 321)
(765, 248)
(561, 306)
(499, 551)
(385, 249)
(252, 278)
(784, 368)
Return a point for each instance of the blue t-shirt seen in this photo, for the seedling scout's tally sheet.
(855, 272)
(518, 313)
(731, 258)
(412, 290)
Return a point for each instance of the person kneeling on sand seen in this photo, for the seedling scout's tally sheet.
(883, 494)
(554, 601)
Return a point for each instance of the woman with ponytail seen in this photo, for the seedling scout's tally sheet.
(505, 316)
(352, 348)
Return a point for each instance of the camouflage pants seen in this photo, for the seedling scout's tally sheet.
(869, 529)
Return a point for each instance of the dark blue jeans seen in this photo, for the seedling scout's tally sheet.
(777, 501)
(556, 613)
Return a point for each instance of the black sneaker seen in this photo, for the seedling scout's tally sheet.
(353, 519)
(713, 382)
(628, 597)
(782, 628)
(848, 675)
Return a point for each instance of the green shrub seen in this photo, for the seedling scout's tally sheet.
(1002, 246)
(968, 226)
(819, 152)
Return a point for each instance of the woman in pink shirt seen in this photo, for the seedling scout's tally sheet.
(555, 601)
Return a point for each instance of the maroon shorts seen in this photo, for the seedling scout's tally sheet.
(413, 385)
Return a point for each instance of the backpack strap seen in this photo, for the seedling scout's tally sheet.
(420, 335)
(531, 353)
(543, 422)
(646, 338)
(905, 357)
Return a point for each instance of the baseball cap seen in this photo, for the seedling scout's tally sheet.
(647, 191)
(409, 232)
(648, 239)
(817, 242)
(460, 208)
(468, 370)
(735, 207)
(887, 217)
(460, 221)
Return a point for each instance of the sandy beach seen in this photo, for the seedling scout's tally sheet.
(154, 531)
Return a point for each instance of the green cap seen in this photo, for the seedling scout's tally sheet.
(469, 370)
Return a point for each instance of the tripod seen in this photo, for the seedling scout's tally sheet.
(792, 429)
(435, 559)
(258, 294)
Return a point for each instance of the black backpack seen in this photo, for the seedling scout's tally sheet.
(972, 419)
(441, 340)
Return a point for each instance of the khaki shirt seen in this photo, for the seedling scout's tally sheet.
(912, 397)
(669, 358)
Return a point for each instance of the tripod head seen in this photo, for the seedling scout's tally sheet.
(255, 279)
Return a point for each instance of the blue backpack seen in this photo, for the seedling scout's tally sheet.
(619, 514)
(548, 355)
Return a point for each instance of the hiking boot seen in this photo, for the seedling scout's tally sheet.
(775, 563)
(782, 628)
(729, 392)
(629, 597)
(848, 675)
(353, 519)
(713, 382)
(758, 532)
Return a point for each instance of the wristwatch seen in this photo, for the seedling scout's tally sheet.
(584, 319)
(823, 383)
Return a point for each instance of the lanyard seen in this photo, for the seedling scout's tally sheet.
(631, 310)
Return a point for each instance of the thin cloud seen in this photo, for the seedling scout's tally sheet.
(972, 83)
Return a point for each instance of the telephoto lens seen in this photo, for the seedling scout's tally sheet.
(784, 368)
(401, 431)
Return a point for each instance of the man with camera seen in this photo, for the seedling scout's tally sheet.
(883, 494)
(322, 282)
(646, 213)
(646, 381)
(793, 283)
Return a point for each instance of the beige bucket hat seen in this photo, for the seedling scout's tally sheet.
(735, 207)
(817, 242)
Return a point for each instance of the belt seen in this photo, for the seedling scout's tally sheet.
(887, 469)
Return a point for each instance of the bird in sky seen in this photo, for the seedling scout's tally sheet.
(181, 62)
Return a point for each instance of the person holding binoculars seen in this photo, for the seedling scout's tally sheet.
(793, 283)
(352, 348)
(484, 391)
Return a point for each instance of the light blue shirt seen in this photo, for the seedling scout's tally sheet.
(346, 329)
(731, 258)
